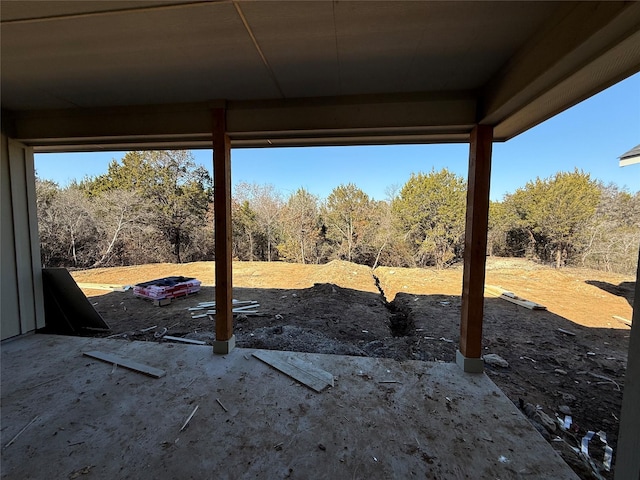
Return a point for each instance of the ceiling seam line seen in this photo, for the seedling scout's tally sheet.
(72, 16)
(258, 49)
(335, 36)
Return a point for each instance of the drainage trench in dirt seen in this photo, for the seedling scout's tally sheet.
(401, 321)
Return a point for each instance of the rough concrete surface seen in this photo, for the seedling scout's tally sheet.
(382, 419)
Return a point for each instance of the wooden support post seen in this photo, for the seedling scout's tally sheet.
(222, 211)
(627, 458)
(475, 249)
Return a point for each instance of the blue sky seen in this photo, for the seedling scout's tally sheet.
(590, 136)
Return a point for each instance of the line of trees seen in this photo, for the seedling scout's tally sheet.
(158, 207)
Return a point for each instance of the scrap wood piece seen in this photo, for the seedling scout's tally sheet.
(213, 312)
(220, 403)
(81, 471)
(189, 418)
(185, 340)
(622, 320)
(246, 307)
(606, 379)
(304, 372)
(566, 332)
(523, 302)
(126, 363)
(22, 431)
(104, 286)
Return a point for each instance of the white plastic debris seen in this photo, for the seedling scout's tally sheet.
(608, 451)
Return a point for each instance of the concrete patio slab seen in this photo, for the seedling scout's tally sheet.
(382, 419)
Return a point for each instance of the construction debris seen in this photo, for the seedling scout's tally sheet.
(163, 290)
(126, 363)
(244, 307)
(512, 297)
(304, 372)
(608, 451)
(67, 309)
(184, 340)
(81, 471)
(220, 403)
(566, 332)
(622, 320)
(104, 286)
(161, 333)
(186, 423)
(537, 414)
(21, 431)
(606, 379)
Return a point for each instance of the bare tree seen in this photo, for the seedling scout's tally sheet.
(302, 231)
(120, 213)
(67, 226)
(263, 211)
(613, 233)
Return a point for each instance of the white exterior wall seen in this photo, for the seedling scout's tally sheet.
(21, 303)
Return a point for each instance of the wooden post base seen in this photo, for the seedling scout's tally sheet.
(222, 347)
(469, 365)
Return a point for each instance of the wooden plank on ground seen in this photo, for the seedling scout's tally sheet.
(622, 320)
(184, 340)
(103, 286)
(523, 302)
(304, 372)
(246, 307)
(126, 363)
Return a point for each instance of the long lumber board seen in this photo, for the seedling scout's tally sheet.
(184, 340)
(511, 297)
(126, 363)
(103, 286)
(306, 373)
(622, 320)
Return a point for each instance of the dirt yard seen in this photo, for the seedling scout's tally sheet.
(399, 313)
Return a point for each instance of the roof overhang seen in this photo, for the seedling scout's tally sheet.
(121, 75)
(631, 157)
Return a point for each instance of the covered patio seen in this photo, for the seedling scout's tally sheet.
(381, 419)
(100, 76)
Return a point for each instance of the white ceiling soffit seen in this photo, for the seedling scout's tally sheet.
(79, 75)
